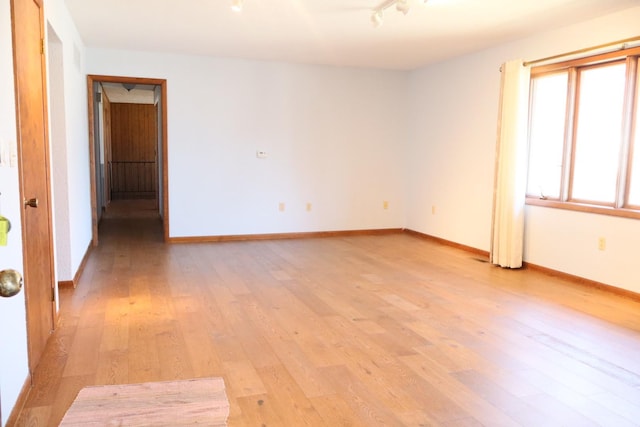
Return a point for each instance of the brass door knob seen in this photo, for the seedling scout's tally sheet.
(32, 203)
(10, 283)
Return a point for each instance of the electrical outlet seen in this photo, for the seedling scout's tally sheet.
(308, 207)
(602, 243)
(433, 209)
(385, 204)
(281, 206)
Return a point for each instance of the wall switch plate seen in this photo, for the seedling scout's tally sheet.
(261, 154)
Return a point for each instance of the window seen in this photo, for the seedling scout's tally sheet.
(598, 124)
(583, 127)
(546, 134)
(634, 184)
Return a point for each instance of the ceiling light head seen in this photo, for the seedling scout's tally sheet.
(376, 18)
(236, 5)
(403, 6)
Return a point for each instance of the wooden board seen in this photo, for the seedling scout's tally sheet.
(174, 403)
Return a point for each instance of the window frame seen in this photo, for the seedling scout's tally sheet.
(620, 207)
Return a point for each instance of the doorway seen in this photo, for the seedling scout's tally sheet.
(33, 170)
(128, 162)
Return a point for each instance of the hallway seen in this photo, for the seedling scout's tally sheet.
(132, 208)
(342, 331)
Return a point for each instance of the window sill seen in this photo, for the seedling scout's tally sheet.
(583, 207)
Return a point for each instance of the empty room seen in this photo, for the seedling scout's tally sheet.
(320, 212)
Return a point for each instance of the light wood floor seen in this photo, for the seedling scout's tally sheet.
(132, 208)
(350, 331)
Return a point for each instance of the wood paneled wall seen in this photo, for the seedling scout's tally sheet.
(133, 132)
(133, 150)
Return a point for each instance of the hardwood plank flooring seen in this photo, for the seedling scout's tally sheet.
(386, 330)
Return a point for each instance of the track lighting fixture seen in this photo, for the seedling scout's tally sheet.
(401, 6)
(236, 5)
(377, 14)
(376, 18)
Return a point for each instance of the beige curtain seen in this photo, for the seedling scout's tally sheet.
(511, 167)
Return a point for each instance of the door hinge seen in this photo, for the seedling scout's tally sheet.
(42, 46)
(53, 294)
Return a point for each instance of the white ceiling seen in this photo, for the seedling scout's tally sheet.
(139, 94)
(332, 32)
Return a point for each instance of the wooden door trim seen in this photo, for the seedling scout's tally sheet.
(108, 138)
(91, 79)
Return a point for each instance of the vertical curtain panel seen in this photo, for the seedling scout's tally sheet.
(507, 240)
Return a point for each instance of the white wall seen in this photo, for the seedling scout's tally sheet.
(58, 137)
(451, 149)
(451, 160)
(14, 367)
(76, 212)
(334, 139)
